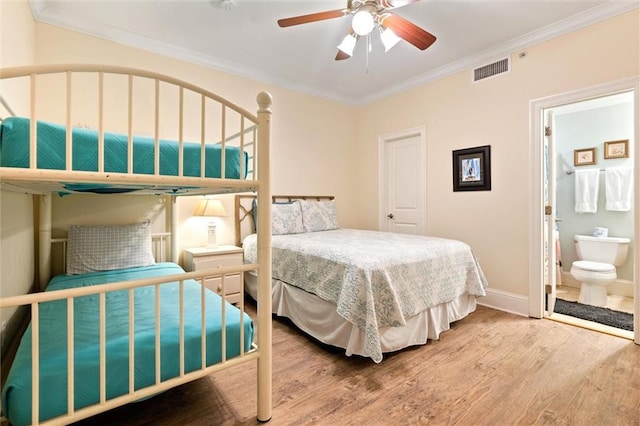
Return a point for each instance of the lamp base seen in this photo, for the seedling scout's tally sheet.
(211, 241)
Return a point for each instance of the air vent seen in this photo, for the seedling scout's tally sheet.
(491, 70)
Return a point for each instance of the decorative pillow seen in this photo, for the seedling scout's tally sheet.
(108, 247)
(319, 215)
(286, 218)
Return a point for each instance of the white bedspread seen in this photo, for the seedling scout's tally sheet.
(376, 279)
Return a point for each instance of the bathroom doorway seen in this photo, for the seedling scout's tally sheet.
(569, 132)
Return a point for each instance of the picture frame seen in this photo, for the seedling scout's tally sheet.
(472, 169)
(616, 149)
(584, 157)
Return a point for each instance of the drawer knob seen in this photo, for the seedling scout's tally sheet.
(219, 289)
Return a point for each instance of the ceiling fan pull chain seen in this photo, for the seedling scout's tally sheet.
(368, 49)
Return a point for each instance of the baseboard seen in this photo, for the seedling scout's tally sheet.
(569, 281)
(508, 302)
(619, 287)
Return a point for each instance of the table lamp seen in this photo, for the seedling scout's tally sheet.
(209, 207)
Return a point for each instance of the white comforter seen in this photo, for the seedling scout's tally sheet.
(375, 279)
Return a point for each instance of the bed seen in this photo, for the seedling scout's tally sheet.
(14, 152)
(368, 292)
(16, 397)
(117, 326)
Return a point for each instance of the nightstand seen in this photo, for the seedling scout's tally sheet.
(201, 258)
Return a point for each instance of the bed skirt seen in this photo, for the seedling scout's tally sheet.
(319, 319)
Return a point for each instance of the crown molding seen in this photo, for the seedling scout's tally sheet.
(597, 14)
(566, 26)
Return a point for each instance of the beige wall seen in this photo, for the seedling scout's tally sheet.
(16, 210)
(325, 147)
(303, 127)
(18, 34)
(459, 114)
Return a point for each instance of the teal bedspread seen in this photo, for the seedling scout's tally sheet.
(16, 394)
(14, 152)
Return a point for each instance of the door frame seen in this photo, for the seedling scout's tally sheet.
(383, 140)
(536, 186)
(550, 216)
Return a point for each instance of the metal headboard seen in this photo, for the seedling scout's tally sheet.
(243, 211)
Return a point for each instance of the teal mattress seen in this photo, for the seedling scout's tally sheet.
(14, 152)
(16, 394)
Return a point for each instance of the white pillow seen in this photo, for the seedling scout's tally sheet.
(286, 218)
(319, 215)
(108, 247)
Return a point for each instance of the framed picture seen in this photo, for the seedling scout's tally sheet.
(616, 149)
(472, 169)
(584, 157)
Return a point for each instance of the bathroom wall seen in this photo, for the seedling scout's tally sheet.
(590, 126)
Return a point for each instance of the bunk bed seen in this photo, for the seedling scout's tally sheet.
(121, 323)
(367, 292)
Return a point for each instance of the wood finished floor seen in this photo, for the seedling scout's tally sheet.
(491, 368)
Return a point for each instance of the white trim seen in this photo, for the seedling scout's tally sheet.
(574, 23)
(536, 204)
(504, 301)
(420, 132)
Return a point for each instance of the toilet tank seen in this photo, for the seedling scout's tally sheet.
(611, 250)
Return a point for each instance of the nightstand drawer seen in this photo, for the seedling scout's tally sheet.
(218, 261)
(211, 258)
(232, 284)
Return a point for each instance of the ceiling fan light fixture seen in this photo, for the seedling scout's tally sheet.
(363, 22)
(348, 44)
(389, 38)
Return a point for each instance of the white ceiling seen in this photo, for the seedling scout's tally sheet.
(247, 41)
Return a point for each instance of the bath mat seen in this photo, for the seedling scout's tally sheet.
(606, 316)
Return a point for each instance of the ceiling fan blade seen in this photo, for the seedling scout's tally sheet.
(391, 4)
(408, 31)
(341, 55)
(313, 17)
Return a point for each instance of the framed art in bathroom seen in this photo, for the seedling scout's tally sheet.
(472, 169)
(616, 149)
(584, 157)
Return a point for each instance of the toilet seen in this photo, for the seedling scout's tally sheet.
(599, 257)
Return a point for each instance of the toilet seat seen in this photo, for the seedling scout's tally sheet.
(593, 272)
(587, 265)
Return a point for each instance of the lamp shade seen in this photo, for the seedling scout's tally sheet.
(210, 207)
(348, 44)
(389, 39)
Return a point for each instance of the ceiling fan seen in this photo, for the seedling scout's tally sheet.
(367, 15)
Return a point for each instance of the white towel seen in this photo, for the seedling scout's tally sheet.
(618, 188)
(587, 186)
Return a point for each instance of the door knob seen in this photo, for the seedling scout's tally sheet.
(390, 215)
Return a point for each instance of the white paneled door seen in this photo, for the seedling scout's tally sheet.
(403, 182)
